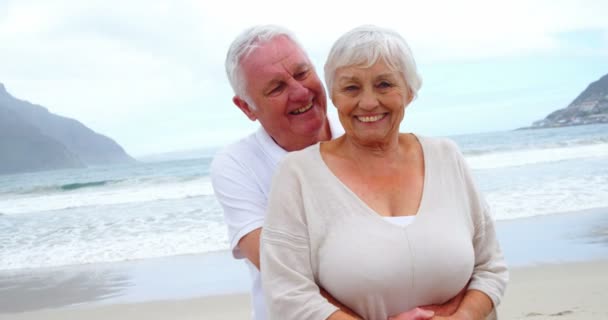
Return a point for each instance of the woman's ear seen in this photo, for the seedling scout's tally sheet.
(410, 96)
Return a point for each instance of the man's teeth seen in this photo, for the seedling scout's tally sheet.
(303, 109)
(370, 118)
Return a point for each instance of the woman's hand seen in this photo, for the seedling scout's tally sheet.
(414, 314)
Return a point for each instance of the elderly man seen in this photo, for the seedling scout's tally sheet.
(275, 83)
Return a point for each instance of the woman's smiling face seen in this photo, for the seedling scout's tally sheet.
(371, 102)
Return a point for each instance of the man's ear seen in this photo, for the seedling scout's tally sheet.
(245, 107)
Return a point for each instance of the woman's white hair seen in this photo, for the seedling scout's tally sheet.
(364, 46)
(243, 45)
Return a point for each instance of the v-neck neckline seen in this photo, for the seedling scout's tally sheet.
(363, 204)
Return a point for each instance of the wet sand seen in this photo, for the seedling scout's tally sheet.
(558, 267)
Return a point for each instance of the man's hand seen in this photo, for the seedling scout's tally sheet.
(434, 311)
(449, 307)
(414, 314)
(475, 305)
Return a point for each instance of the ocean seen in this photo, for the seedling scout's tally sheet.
(164, 209)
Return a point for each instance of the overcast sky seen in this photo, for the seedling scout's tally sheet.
(150, 75)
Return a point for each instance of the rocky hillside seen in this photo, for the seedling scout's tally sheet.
(33, 139)
(590, 107)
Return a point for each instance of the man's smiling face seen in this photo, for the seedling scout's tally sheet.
(285, 93)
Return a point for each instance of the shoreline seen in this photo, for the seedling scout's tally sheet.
(156, 279)
(552, 255)
(555, 238)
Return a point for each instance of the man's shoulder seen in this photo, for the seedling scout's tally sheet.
(253, 159)
(241, 152)
(245, 145)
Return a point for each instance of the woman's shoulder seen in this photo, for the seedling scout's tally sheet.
(302, 155)
(441, 145)
(304, 158)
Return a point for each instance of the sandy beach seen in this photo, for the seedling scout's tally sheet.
(228, 307)
(562, 291)
(558, 265)
(557, 292)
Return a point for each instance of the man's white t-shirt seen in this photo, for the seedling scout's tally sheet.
(241, 175)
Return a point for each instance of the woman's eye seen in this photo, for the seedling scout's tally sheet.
(384, 84)
(350, 88)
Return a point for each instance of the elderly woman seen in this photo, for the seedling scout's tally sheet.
(384, 221)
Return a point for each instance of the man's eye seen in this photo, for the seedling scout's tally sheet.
(277, 89)
(301, 75)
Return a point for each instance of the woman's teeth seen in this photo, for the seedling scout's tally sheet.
(371, 118)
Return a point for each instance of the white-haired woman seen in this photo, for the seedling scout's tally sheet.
(384, 221)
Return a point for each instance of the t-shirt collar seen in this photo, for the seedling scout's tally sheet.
(276, 152)
(269, 146)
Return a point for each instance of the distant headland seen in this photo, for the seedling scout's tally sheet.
(34, 139)
(590, 107)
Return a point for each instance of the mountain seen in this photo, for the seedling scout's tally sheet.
(590, 107)
(34, 139)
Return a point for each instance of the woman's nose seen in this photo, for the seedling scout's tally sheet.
(369, 100)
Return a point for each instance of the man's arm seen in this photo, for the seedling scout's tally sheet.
(243, 201)
(475, 305)
(428, 311)
(344, 312)
(341, 315)
(449, 307)
(250, 246)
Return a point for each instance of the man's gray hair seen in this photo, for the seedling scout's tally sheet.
(364, 46)
(243, 45)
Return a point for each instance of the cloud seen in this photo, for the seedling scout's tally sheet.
(139, 69)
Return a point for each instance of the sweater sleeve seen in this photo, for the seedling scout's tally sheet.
(287, 278)
(490, 273)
